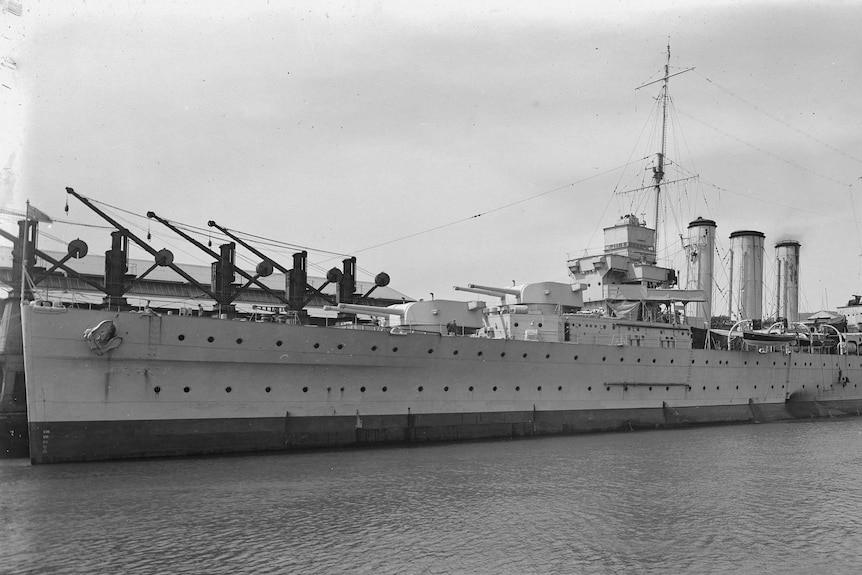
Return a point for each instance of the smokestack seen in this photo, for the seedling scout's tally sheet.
(700, 251)
(746, 275)
(787, 273)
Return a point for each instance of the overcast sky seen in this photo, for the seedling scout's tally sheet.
(379, 128)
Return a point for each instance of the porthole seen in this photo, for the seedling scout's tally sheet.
(524, 356)
(671, 361)
(317, 345)
(639, 360)
(622, 359)
(517, 388)
(455, 352)
(181, 337)
(667, 388)
(539, 388)
(540, 324)
(516, 324)
(653, 360)
(576, 358)
(590, 388)
(340, 346)
(362, 389)
(227, 389)
(560, 388)
(239, 340)
(268, 389)
(430, 351)
(394, 350)
(547, 356)
(420, 388)
(304, 390)
(278, 343)
(446, 388)
(503, 354)
(607, 388)
(716, 388)
(187, 389)
(471, 388)
(383, 389)
(157, 389)
(479, 353)
(373, 348)
(494, 388)
(604, 358)
(210, 339)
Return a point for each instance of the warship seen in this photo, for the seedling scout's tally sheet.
(620, 347)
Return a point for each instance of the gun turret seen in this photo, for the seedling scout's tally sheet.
(487, 290)
(541, 293)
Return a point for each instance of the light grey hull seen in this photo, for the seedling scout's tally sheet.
(181, 385)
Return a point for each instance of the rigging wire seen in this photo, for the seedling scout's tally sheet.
(493, 210)
(858, 232)
(762, 151)
(779, 204)
(779, 120)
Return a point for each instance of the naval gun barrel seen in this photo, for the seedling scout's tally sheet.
(487, 290)
(366, 309)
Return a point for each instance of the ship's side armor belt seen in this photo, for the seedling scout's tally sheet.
(102, 337)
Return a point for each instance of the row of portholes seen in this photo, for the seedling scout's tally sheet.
(211, 339)
(420, 389)
(279, 343)
(362, 389)
(228, 389)
(575, 358)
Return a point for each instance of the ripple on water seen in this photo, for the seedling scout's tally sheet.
(777, 498)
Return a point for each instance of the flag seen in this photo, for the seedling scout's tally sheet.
(38, 215)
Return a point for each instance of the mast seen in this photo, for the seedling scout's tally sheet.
(658, 171)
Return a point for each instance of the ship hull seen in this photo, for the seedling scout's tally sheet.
(180, 385)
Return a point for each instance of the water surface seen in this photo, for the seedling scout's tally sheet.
(770, 498)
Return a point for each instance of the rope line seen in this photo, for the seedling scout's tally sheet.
(780, 121)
